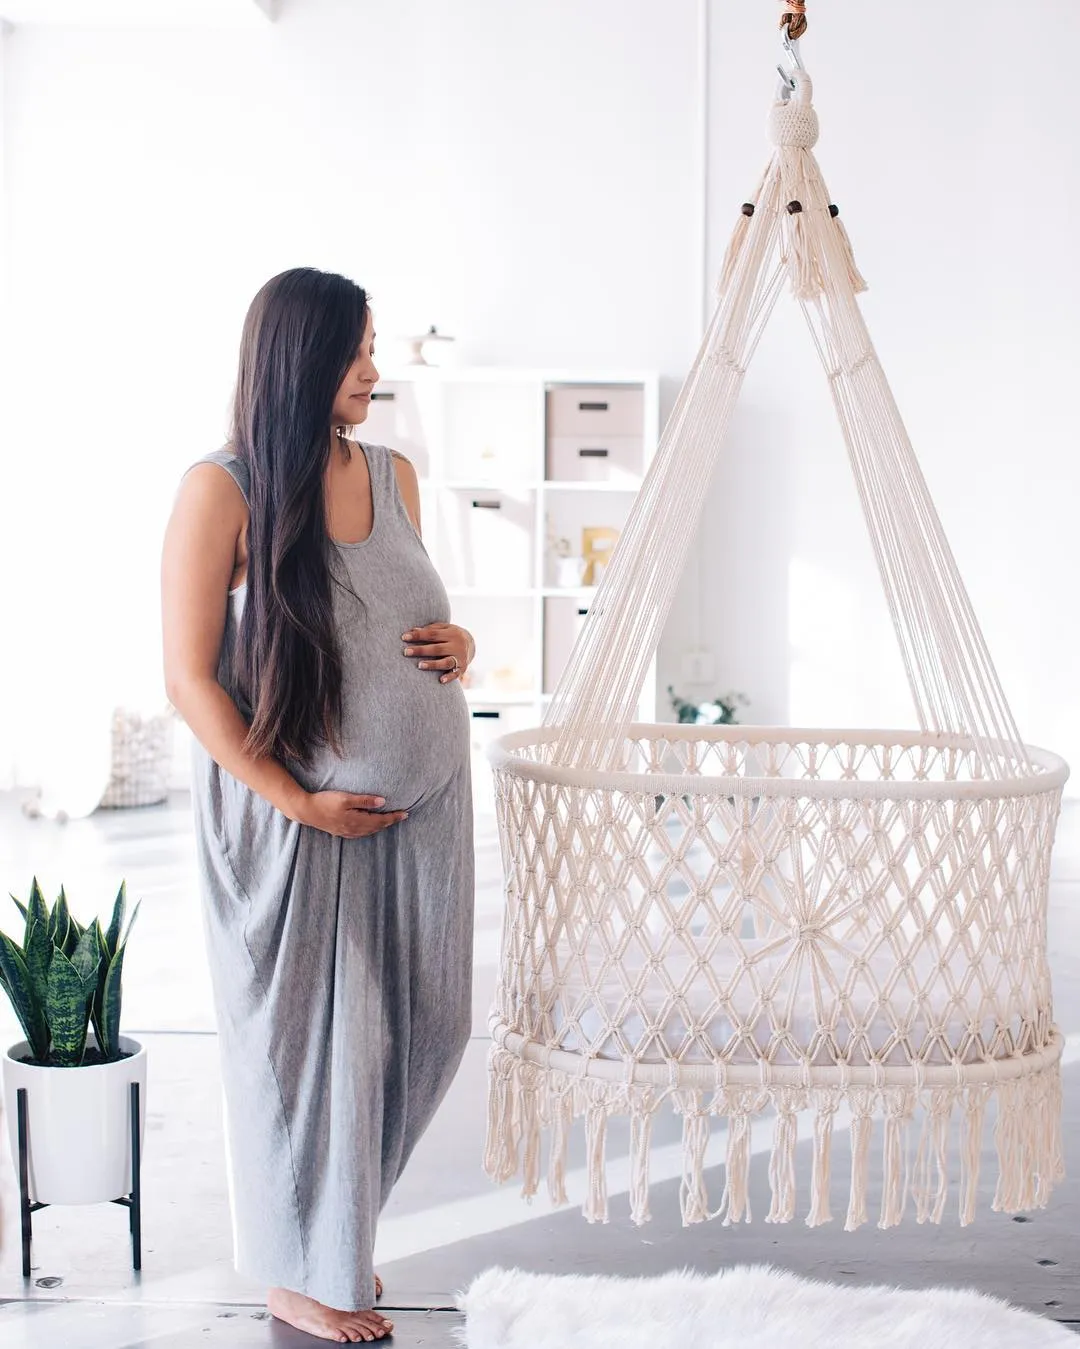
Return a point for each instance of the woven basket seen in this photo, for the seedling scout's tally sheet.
(142, 751)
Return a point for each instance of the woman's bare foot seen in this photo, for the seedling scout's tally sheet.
(378, 1287)
(327, 1323)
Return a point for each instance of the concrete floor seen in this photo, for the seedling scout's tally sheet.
(445, 1222)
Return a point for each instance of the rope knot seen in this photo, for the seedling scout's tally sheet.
(795, 122)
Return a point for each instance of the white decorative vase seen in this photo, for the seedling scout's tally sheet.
(569, 571)
(79, 1124)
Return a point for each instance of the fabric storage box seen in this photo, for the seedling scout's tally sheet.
(486, 538)
(489, 721)
(400, 416)
(595, 433)
(595, 410)
(564, 620)
(596, 458)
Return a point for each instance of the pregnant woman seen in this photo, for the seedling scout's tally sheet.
(308, 645)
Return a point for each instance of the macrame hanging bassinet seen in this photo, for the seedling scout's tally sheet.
(734, 921)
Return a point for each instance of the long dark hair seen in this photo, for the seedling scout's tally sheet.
(302, 332)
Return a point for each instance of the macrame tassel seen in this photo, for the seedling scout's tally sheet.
(735, 1201)
(640, 1142)
(1007, 1140)
(828, 1102)
(899, 1105)
(735, 248)
(562, 1119)
(530, 1132)
(782, 1161)
(855, 278)
(693, 1196)
(971, 1139)
(1051, 1157)
(862, 1123)
(933, 1155)
(595, 1208)
(500, 1152)
(803, 265)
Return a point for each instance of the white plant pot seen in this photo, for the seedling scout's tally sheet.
(79, 1124)
(569, 571)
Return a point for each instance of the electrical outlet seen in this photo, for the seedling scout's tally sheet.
(698, 667)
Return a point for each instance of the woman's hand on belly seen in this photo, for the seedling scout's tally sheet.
(346, 814)
(440, 646)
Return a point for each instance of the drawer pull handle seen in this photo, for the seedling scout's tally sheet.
(593, 454)
(583, 613)
(489, 716)
(383, 397)
(488, 505)
(592, 407)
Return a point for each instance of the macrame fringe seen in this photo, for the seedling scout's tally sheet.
(826, 1104)
(640, 1145)
(789, 1102)
(862, 1123)
(855, 277)
(813, 228)
(734, 252)
(525, 1099)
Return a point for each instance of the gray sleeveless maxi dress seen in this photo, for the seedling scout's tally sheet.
(342, 968)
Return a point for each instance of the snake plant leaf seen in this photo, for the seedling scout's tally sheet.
(20, 906)
(72, 981)
(18, 987)
(74, 928)
(87, 957)
(110, 1010)
(36, 911)
(87, 960)
(98, 1001)
(59, 922)
(38, 953)
(112, 936)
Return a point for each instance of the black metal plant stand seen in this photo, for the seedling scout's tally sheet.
(132, 1202)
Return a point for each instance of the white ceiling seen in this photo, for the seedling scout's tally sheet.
(140, 13)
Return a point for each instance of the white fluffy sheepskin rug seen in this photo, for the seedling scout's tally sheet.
(741, 1308)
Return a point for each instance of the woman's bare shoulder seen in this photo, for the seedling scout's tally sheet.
(212, 485)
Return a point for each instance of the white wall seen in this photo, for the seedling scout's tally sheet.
(529, 179)
(528, 184)
(950, 149)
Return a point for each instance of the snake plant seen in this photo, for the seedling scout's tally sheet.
(64, 977)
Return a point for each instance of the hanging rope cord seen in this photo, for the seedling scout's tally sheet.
(793, 18)
(790, 231)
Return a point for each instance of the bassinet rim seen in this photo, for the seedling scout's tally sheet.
(1050, 775)
(719, 1075)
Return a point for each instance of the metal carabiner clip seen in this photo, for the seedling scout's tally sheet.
(787, 79)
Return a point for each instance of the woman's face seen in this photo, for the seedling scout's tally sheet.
(353, 398)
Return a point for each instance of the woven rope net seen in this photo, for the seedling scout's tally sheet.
(846, 928)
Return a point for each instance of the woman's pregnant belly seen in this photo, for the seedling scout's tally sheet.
(404, 734)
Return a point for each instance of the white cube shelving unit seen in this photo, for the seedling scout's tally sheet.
(507, 460)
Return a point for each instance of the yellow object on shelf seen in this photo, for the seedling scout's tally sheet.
(597, 544)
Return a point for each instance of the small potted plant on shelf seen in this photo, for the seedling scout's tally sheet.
(721, 711)
(64, 983)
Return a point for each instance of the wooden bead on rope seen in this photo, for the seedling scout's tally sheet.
(794, 18)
